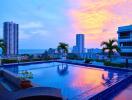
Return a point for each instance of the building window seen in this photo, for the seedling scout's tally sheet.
(126, 44)
(123, 35)
(126, 54)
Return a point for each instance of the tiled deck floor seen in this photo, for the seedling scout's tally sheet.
(126, 94)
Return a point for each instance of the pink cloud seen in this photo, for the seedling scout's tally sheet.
(100, 18)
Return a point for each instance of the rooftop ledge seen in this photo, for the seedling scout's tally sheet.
(125, 28)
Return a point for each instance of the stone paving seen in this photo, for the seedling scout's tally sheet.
(125, 94)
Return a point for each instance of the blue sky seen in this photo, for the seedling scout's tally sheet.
(45, 23)
(42, 23)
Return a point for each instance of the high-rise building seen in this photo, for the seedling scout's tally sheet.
(125, 40)
(79, 47)
(10, 31)
(80, 43)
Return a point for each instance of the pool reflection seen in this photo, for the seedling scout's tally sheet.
(62, 69)
(87, 78)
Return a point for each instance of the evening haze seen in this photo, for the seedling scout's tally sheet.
(45, 23)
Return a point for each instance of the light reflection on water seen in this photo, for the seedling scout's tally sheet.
(73, 81)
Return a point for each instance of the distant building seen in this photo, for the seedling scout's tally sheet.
(10, 31)
(79, 47)
(93, 52)
(75, 49)
(80, 43)
(125, 40)
(51, 51)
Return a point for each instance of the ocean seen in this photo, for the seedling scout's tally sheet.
(29, 51)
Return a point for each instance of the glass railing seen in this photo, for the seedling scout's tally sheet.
(126, 47)
(124, 37)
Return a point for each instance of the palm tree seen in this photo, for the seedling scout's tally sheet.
(62, 48)
(3, 47)
(110, 47)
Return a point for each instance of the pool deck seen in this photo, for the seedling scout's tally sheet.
(30, 92)
(37, 91)
(125, 94)
(34, 91)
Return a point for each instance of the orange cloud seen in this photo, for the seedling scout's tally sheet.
(99, 18)
(92, 21)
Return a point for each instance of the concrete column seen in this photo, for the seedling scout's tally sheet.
(0, 60)
(131, 35)
(119, 39)
(126, 62)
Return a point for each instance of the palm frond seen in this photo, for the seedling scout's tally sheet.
(110, 46)
(3, 46)
(104, 43)
(62, 47)
(116, 48)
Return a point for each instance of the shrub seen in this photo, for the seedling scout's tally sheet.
(55, 58)
(47, 58)
(36, 59)
(25, 60)
(9, 61)
(118, 65)
(108, 63)
(72, 56)
(80, 59)
(99, 60)
(88, 60)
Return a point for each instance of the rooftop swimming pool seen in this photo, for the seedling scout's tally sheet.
(75, 81)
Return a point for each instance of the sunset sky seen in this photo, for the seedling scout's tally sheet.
(44, 23)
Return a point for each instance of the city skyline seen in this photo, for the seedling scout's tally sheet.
(42, 22)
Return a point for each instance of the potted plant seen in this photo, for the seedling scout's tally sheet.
(25, 82)
(88, 60)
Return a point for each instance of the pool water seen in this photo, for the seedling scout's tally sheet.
(73, 80)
